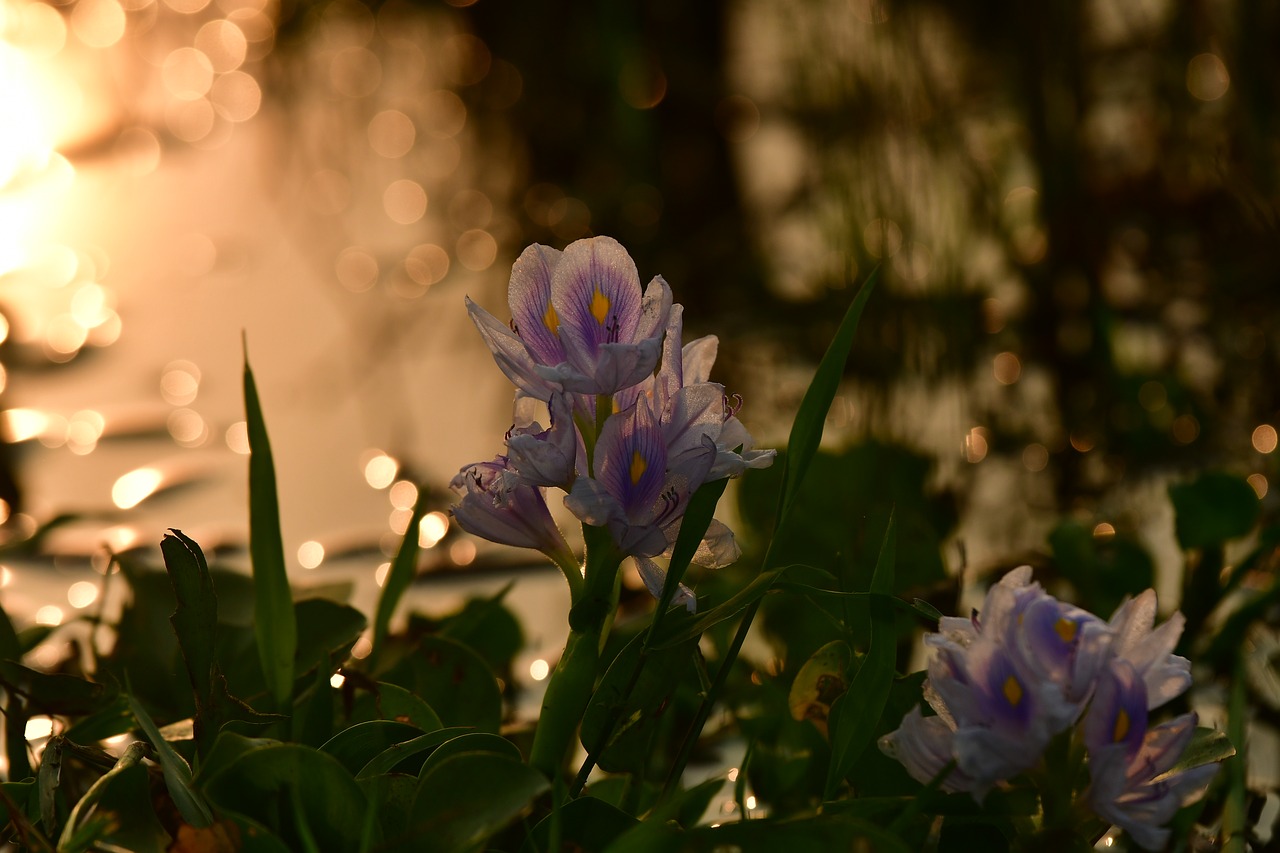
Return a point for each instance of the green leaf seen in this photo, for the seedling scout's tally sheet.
(854, 715)
(1212, 509)
(585, 824)
(697, 518)
(177, 773)
(401, 574)
(387, 701)
(397, 756)
(357, 745)
(326, 632)
(10, 646)
(1207, 745)
(806, 431)
(820, 681)
(811, 835)
(296, 792)
(274, 621)
(686, 630)
(471, 742)
(51, 693)
(454, 681)
(195, 621)
(467, 798)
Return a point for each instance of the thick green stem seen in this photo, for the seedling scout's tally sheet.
(574, 679)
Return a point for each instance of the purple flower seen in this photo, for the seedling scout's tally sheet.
(579, 320)
(924, 746)
(496, 506)
(1130, 783)
(547, 457)
(1150, 652)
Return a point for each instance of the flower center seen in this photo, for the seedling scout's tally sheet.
(638, 466)
(599, 306)
(1012, 691)
(1066, 629)
(551, 320)
(1121, 727)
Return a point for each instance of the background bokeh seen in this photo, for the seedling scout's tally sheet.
(1073, 207)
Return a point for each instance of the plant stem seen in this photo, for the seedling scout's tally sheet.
(573, 681)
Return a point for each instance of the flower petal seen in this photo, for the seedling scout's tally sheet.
(511, 354)
(529, 296)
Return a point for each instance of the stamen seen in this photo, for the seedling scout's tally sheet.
(732, 408)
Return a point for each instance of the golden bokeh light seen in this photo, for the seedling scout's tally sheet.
(84, 428)
(1264, 438)
(236, 96)
(405, 201)
(380, 574)
(426, 264)
(539, 669)
(187, 427)
(477, 250)
(190, 121)
(432, 528)
(1185, 429)
(392, 134)
(40, 727)
(1035, 457)
(237, 438)
(355, 72)
(356, 269)
(50, 614)
(1207, 77)
(1259, 483)
(470, 209)
(310, 554)
(380, 469)
(81, 594)
(187, 74)
(223, 43)
(1007, 368)
(23, 424)
(403, 494)
(98, 23)
(136, 486)
(337, 680)
(445, 114)
(466, 59)
(180, 382)
(462, 552)
(975, 445)
(1104, 530)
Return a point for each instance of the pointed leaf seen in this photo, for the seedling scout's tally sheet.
(400, 575)
(356, 746)
(274, 621)
(396, 757)
(177, 773)
(467, 798)
(806, 431)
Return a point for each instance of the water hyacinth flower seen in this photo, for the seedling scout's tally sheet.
(579, 321)
(1023, 670)
(496, 506)
(1130, 783)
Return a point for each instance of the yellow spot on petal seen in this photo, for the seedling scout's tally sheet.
(1121, 727)
(1066, 629)
(1013, 691)
(551, 320)
(638, 466)
(599, 306)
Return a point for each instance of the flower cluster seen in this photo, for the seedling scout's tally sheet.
(635, 425)
(1027, 668)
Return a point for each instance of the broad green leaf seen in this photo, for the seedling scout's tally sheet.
(391, 797)
(274, 621)
(177, 773)
(855, 714)
(397, 757)
(357, 745)
(10, 646)
(806, 431)
(585, 824)
(688, 806)
(1212, 509)
(265, 783)
(226, 750)
(1207, 745)
(387, 701)
(470, 742)
(467, 798)
(454, 681)
(399, 577)
(326, 632)
(697, 518)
